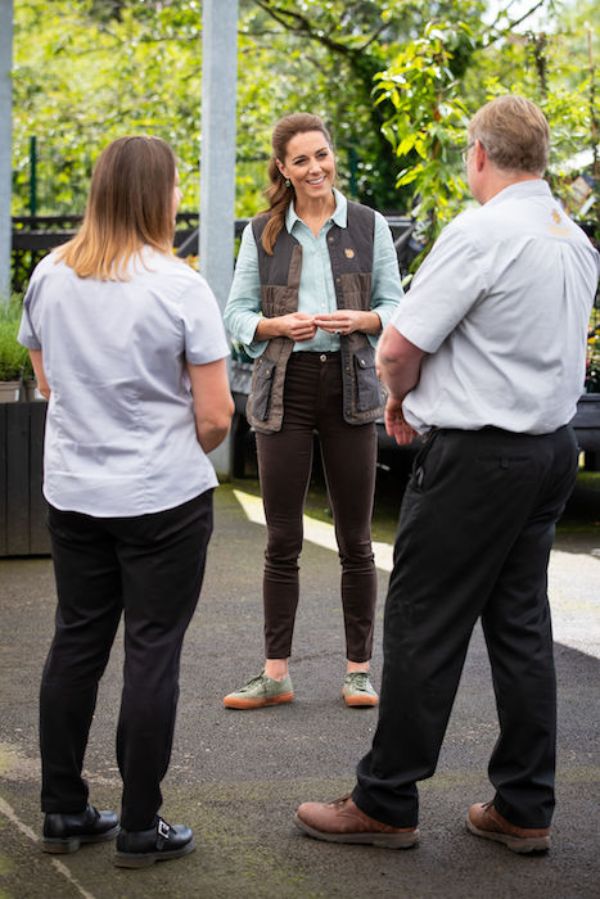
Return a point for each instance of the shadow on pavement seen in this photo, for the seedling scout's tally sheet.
(236, 777)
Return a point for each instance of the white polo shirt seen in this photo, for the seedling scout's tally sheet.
(502, 303)
(120, 432)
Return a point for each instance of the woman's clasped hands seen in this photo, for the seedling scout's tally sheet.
(300, 326)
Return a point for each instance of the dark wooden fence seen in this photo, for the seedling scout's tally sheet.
(34, 236)
(22, 507)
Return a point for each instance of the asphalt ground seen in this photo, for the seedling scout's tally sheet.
(236, 777)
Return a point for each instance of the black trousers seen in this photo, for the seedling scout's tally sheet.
(476, 529)
(313, 402)
(151, 568)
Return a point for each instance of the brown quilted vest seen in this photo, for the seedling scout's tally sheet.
(351, 254)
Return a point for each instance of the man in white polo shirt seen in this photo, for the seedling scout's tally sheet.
(485, 357)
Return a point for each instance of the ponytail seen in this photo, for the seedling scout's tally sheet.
(279, 196)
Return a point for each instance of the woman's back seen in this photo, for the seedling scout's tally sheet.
(121, 436)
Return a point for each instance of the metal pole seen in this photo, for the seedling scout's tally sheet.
(32, 176)
(6, 32)
(217, 170)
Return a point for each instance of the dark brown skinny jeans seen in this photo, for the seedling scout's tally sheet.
(313, 403)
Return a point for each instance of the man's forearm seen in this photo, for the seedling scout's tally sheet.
(398, 362)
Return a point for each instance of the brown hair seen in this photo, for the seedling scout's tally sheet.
(278, 194)
(129, 205)
(514, 132)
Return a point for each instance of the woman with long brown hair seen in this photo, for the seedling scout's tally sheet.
(128, 345)
(316, 279)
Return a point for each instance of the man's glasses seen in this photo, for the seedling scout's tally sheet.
(465, 152)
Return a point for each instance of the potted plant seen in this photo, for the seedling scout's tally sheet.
(22, 506)
(31, 392)
(14, 358)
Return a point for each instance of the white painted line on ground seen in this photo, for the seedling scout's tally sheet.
(573, 580)
(8, 812)
(574, 590)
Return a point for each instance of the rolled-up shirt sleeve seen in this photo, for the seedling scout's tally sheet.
(386, 289)
(447, 285)
(243, 309)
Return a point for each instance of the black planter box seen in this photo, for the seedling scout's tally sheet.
(23, 529)
(587, 422)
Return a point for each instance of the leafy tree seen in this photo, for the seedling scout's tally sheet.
(87, 71)
(556, 67)
(86, 78)
(426, 127)
(348, 43)
(441, 78)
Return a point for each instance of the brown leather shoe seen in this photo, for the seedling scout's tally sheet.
(485, 821)
(342, 821)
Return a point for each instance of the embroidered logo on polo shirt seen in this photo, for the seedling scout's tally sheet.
(559, 228)
(349, 253)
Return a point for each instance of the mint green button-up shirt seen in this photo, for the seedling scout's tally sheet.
(317, 291)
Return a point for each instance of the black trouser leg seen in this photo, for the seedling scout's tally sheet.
(152, 565)
(518, 631)
(88, 583)
(471, 499)
(162, 562)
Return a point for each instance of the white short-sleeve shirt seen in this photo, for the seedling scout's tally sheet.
(502, 304)
(120, 432)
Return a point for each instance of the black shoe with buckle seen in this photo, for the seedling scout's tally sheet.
(140, 848)
(66, 833)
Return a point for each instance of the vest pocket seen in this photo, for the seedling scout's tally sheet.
(262, 387)
(278, 299)
(368, 391)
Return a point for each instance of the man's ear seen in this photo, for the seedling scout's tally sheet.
(480, 154)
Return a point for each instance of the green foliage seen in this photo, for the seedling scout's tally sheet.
(14, 358)
(438, 80)
(87, 71)
(70, 71)
(341, 46)
(592, 373)
(427, 118)
(556, 67)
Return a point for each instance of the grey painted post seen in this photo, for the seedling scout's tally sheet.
(217, 170)
(6, 30)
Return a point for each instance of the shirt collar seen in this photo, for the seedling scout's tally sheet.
(339, 217)
(535, 187)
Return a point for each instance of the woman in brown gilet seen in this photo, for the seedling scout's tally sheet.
(316, 280)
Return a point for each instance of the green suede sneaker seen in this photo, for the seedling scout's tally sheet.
(358, 691)
(260, 692)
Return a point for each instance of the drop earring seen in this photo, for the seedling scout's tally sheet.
(288, 183)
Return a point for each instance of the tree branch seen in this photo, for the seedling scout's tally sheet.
(526, 15)
(304, 26)
(265, 33)
(373, 37)
(512, 24)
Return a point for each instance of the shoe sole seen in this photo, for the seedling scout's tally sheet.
(145, 859)
(66, 845)
(358, 702)
(521, 845)
(382, 840)
(245, 704)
